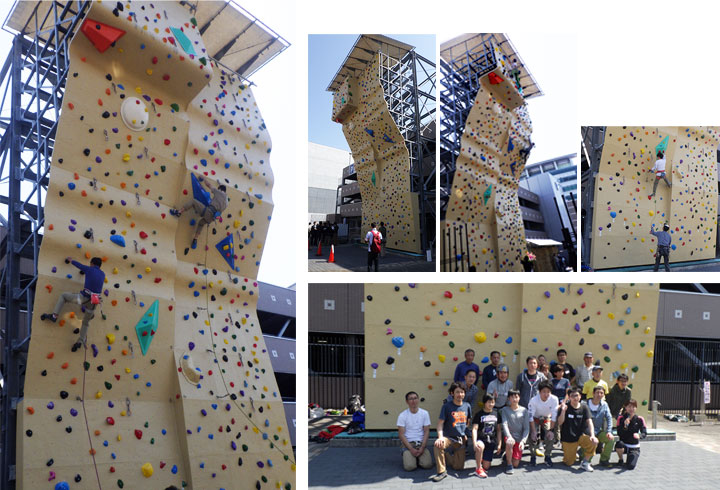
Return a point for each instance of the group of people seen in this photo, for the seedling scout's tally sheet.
(324, 233)
(549, 403)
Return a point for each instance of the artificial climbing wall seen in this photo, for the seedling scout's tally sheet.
(624, 210)
(494, 148)
(416, 334)
(176, 386)
(381, 159)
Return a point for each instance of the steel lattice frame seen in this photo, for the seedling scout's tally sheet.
(32, 84)
(461, 82)
(592, 142)
(409, 87)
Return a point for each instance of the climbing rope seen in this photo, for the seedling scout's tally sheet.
(87, 426)
(220, 371)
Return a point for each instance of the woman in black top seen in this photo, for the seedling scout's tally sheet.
(631, 428)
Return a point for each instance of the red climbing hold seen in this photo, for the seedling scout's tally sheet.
(448, 294)
(143, 235)
(475, 308)
(494, 78)
(101, 35)
(110, 421)
(138, 433)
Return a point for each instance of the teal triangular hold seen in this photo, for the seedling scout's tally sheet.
(147, 326)
(662, 146)
(487, 194)
(373, 179)
(226, 247)
(183, 40)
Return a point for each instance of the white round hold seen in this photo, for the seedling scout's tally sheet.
(134, 113)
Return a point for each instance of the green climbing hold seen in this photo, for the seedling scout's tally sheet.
(642, 344)
(175, 107)
(636, 324)
(606, 359)
(635, 369)
(487, 194)
(451, 344)
(644, 402)
(372, 179)
(193, 21)
(662, 146)
(147, 326)
(627, 332)
(120, 484)
(486, 300)
(591, 330)
(185, 43)
(490, 315)
(108, 386)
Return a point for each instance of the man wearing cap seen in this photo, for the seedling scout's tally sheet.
(500, 386)
(584, 371)
(596, 380)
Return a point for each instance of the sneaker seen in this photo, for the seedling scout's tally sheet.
(548, 461)
(585, 465)
(49, 316)
(604, 463)
(480, 473)
(175, 212)
(439, 476)
(532, 460)
(193, 245)
(509, 470)
(621, 461)
(76, 346)
(539, 453)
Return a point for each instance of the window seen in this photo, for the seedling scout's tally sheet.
(330, 304)
(274, 353)
(678, 313)
(706, 315)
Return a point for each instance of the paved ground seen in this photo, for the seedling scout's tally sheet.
(353, 258)
(706, 436)
(700, 266)
(662, 465)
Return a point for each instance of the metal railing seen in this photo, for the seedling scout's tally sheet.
(336, 371)
(681, 367)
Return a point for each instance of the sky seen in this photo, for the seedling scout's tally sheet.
(278, 110)
(551, 58)
(326, 54)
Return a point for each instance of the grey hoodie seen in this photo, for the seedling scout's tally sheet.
(527, 389)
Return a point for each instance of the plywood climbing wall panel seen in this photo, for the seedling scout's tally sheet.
(416, 334)
(381, 160)
(494, 147)
(624, 209)
(176, 385)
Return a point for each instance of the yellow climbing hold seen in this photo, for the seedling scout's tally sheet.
(649, 353)
(110, 338)
(647, 329)
(441, 358)
(126, 157)
(611, 315)
(115, 270)
(236, 224)
(147, 470)
(623, 365)
(651, 213)
(147, 269)
(98, 395)
(480, 337)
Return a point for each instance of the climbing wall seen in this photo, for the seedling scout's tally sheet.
(176, 385)
(416, 334)
(624, 210)
(381, 159)
(494, 148)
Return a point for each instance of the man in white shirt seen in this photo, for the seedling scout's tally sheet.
(414, 429)
(373, 239)
(659, 169)
(543, 415)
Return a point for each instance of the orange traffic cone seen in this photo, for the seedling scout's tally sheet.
(319, 250)
(332, 254)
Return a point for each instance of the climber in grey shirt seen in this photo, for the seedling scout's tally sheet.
(663, 250)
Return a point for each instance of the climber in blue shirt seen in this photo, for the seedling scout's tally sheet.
(88, 298)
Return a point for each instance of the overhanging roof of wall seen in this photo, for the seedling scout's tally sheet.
(451, 51)
(363, 52)
(232, 35)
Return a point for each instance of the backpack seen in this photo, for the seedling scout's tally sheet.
(375, 245)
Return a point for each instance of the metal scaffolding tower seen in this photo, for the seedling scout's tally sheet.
(32, 83)
(463, 61)
(592, 141)
(409, 89)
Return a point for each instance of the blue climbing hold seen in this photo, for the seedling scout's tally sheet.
(118, 240)
(226, 248)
